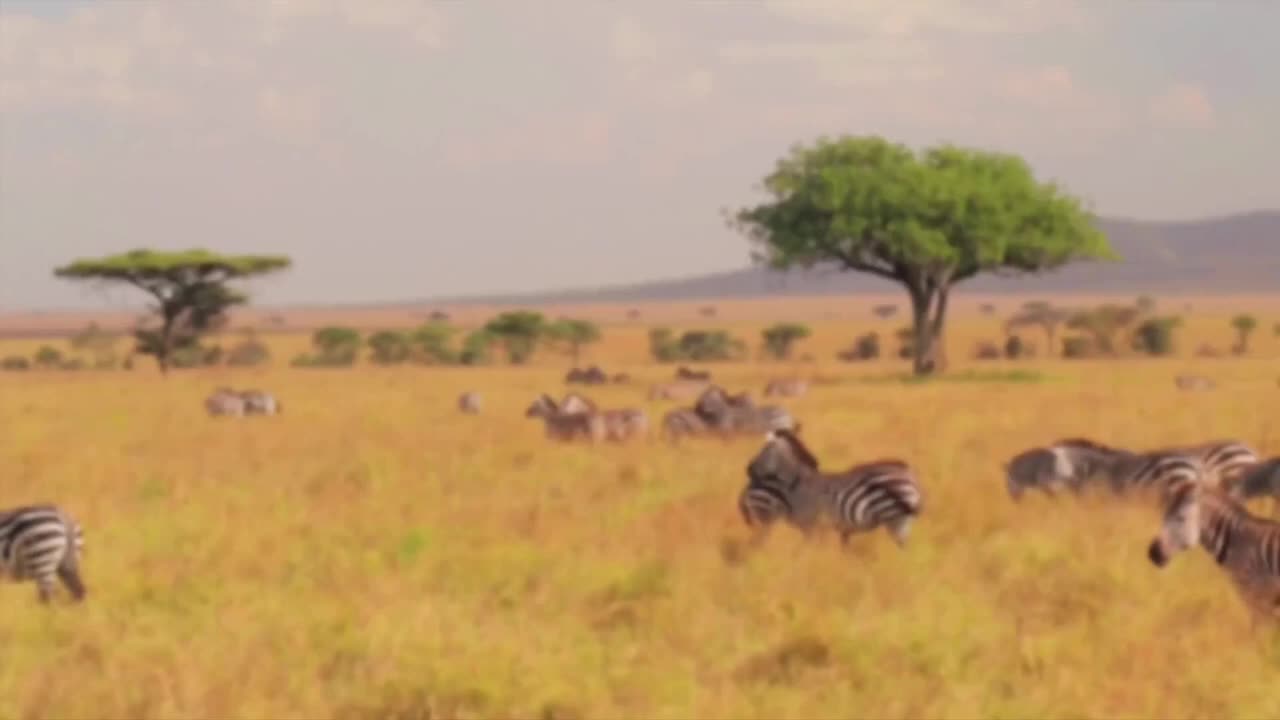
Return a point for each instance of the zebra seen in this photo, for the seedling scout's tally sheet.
(1194, 382)
(1245, 546)
(624, 423)
(793, 387)
(736, 413)
(469, 402)
(1224, 461)
(683, 422)
(38, 542)
(225, 401)
(684, 373)
(1262, 479)
(1074, 462)
(257, 402)
(574, 403)
(785, 483)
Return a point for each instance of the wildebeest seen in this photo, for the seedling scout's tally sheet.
(225, 401)
(790, 387)
(469, 402)
(1194, 382)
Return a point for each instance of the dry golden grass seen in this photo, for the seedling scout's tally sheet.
(371, 553)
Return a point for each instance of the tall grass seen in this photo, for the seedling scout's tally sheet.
(372, 553)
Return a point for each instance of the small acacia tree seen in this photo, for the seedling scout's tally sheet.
(1040, 314)
(1244, 326)
(926, 221)
(573, 334)
(780, 339)
(519, 332)
(190, 290)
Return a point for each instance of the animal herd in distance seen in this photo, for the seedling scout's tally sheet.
(1201, 488)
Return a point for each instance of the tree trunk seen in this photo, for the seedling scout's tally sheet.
(928, 324)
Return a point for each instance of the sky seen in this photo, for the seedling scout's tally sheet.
(404, 149)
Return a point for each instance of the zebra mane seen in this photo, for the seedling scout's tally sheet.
(798, 449)
(1082, 444)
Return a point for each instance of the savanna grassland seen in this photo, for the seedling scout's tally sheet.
(372, 553)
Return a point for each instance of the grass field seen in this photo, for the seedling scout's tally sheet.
(371, 553)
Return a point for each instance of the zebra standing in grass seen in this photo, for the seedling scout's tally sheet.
(561, 425)
(225, 401)
(469, 403)
(1224, 461)
(257, 402)
(737, 414)
(784, 483)
(39, 542)
(1246, 547)
(680, 423)
(1075, 462)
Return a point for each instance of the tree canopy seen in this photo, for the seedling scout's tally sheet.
(189, 288)
(926, 220)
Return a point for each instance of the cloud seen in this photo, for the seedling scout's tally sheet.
(1183, 106)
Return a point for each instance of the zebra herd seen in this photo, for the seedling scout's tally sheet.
(1202, 488)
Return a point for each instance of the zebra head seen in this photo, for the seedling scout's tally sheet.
(1180, 528)
(543, 407)
(1043, 469)
(783, 457)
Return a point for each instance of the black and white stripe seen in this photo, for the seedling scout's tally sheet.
(1262, 479)
(1074, 463)
(257, 402)
(1246, 547)
(39, 543)
(225, 401)
(1223, 461)
(735, 414)
(784, 483)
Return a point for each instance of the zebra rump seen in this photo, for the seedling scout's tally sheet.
(39, 543)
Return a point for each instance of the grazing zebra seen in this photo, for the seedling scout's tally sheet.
(1262, 479)
(793, 387)
(683, 422)
(38, 542)
(257, 402)
(225, 401)
(1224, 460)
(1194, 382)
(589, 376)
(1246, 547)
(681, 390)
(469, 402)
(1076, 461)
(624, 423)
(561, 425)
(784, 482)
(574, 403)
(684, 373)
(737, 414)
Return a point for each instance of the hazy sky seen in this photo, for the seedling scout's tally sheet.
(406, 149)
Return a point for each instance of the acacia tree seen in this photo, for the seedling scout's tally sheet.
(190, 289)
(1043, 315)
(925, 220)
(573, 334)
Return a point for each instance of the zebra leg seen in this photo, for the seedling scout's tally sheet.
(44, 588)
(900, 529)
(69, 574)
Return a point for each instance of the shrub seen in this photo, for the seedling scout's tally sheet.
(1014, 347)
(779, 340)
(1078, 347)
(987, 350)
(15, 363)
(1155, 335)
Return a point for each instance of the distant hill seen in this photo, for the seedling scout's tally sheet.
(1231, 254)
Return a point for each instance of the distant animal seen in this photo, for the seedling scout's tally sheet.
(731, 414)
(225, 401)
(1246, 547)
(257, 402)
(1261, 479)
(1194, 382)
(624, 424)
(575, 403)
(562, 425)
(683, 390)
(590, 376)
(680, 423)
(38, 543)
(1075, 462)
(784, 483)
(793, 387)
(684, 373)
(469, 402)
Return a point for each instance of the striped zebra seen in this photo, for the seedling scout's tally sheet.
(469, 402)
(225, 401)
(785, 483)
(257, 402)
(39, 542)
(1075, 462)
(577, 417)
(680, 423)
(731, 414)
(560, 425)
(1246, 547)
(793, 387)
(1224, 461)
(1262, 479)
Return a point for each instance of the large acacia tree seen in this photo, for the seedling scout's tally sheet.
(190, 289)
(926, 220)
